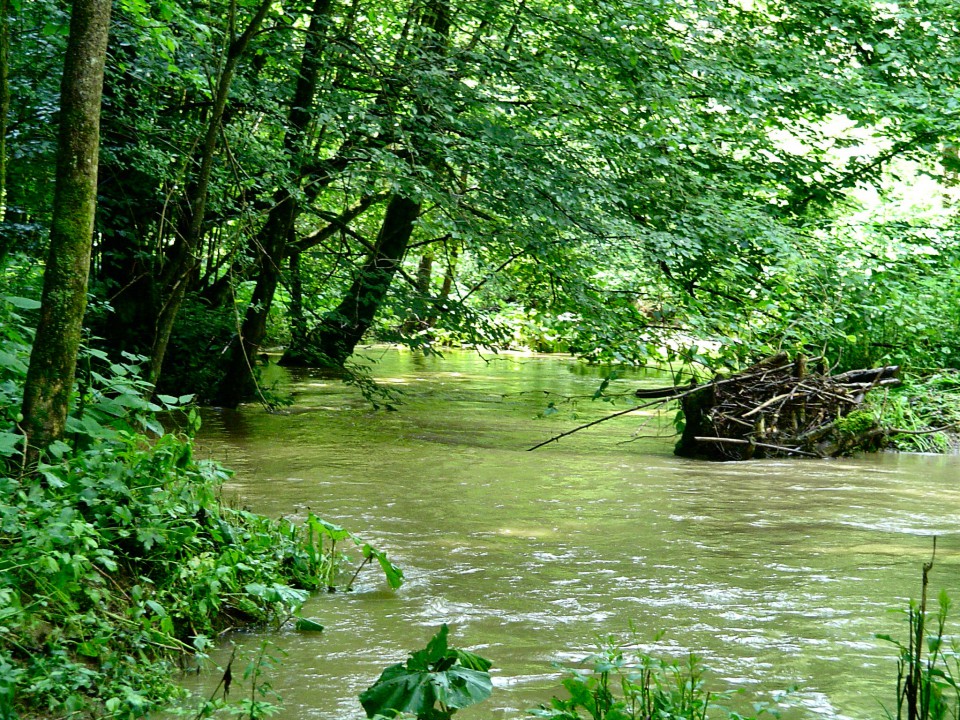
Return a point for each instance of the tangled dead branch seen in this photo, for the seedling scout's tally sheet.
(778, 408)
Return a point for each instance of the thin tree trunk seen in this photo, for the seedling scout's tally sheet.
(183, 261)
(53, 360)
(279, 227)
(445, 289)
(298, 321)
(418, 322)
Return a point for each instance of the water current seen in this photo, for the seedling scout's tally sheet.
(778, 573)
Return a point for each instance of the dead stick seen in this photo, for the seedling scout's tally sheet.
(734, 441)
(715, 383)
(730, 418)
(769, 402)
(820, 391)
(591, 424)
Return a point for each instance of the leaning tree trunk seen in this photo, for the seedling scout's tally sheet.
(343, 328)
(183, 263)
(238, 381)
(53, 360)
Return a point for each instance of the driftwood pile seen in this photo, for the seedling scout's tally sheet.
(779, 408)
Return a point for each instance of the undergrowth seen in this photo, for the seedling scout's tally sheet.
(119, 563)
(928, 663)
(926, 408)
(621, 682)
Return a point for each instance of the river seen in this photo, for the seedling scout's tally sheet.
(777, 573)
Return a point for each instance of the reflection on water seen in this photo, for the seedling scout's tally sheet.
(777, 573)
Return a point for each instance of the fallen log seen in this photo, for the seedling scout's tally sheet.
(866, 376)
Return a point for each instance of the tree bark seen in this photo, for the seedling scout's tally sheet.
(417, 322)
(343, 328)
(238, 382)
(298, 321)
(183, 262)
(54, 357)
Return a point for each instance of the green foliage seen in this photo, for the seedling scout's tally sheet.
(196, 356)
(928, 687)
(624, 182)
(117, 558)
(928, 408)
(432, 684)
(623, 683)
(261, 702)
(856, 423)
(322, 539)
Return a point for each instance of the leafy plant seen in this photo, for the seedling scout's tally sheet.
(320, 531)
(622, 684)
(926, 408)
(118, 559)
(928, 688)
(432, 684)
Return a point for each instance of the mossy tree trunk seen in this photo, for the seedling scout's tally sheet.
(54, 357)
(4, 110)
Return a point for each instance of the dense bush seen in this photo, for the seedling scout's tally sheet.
(118, 561)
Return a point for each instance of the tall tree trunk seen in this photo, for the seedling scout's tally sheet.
(279, 227)
(345, 326)
(4, 109)
(53, 360)
(441, 302)
(298, 321)
(183, 261)
(418, 321)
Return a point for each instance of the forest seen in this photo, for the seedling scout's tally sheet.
(195, 193)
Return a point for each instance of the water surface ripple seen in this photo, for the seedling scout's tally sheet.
(777, 573)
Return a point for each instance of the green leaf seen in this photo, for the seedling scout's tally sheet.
(9, 360)
(308, 625)
(400, 690)
(334, 532)
(10, 443)
(88, 649)
(472, 661)
(437, 647)
(22, 302)
(433, 675)
(393, 574)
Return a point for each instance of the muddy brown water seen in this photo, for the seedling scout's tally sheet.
(777, 573)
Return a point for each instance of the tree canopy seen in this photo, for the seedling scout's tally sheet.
(628, 181)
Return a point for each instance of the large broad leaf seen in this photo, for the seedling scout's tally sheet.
(322, 527)
(10, 443)
(22, 302)
(401, 690)
(430, 676)
(393, 574)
